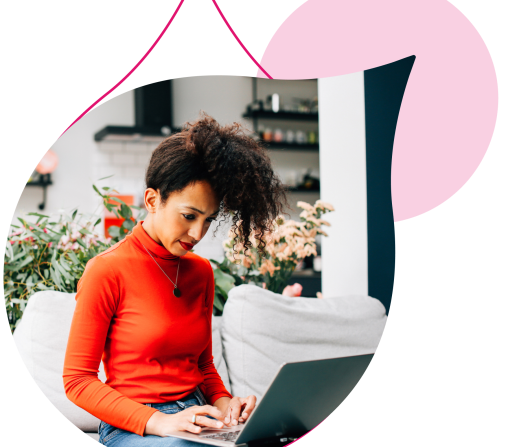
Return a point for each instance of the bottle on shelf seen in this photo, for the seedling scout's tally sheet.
(278, 136)
(301, 137)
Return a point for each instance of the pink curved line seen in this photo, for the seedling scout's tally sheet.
(239, 41)
(130, 72)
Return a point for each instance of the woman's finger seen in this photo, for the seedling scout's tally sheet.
(249, 403)
(189, 426)
(236, 409)
(204, 421)
(227, 419)
(206, 409)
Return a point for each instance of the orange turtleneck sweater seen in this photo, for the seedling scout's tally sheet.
(155, 347)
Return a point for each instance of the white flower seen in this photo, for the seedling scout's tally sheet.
(324, 205)
(306, 206)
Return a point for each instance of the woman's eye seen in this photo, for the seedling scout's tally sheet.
(191, 217)
(211, 219)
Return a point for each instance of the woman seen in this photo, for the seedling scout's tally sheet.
(144, 306)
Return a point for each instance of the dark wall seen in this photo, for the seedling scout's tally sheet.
(384, 89)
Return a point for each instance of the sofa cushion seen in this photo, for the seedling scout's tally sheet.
(41, 338)
(218, 359)
(261, 330)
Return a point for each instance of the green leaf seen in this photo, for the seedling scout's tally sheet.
(9, 291)
(116, 199)
(74, 214)
(97, 222)
(9, 250)
(97, 190)
(73, 257)
(128, 224)
(64, 264)
(16, 267)
(37, 214)
(217, 302)
(114, 231)
(125, 212)
(104, 178)
(223, 281)
(57, 278)
(57, 265)
(45, 237)
(84, 231)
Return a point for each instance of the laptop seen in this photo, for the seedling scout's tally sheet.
(301, 396)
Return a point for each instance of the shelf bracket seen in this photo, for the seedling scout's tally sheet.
(43, 204)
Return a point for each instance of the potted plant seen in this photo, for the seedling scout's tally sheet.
(51, 253)
(286, 246)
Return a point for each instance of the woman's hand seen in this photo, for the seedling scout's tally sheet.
(235, 410)
(160, 423)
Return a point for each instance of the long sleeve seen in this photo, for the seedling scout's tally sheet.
(155, 347)
(213, 386)
(97, 299)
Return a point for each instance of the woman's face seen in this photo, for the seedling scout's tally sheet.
(184, 219)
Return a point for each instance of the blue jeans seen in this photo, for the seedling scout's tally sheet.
(116, 437)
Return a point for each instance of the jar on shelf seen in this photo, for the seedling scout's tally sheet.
(278, 136)
(301, 137)
(290, 136)
(267, 134)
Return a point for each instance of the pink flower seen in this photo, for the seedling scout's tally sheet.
(294, 290)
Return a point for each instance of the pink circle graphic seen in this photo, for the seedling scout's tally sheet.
(449, 109)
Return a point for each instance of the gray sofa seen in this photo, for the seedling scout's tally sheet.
(258, 332)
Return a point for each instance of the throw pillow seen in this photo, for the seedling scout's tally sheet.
(261, 330)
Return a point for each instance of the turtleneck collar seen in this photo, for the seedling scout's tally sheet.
(142, 237)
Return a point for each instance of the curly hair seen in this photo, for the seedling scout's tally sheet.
(237, 168)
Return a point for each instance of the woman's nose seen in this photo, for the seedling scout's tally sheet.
(196, 232)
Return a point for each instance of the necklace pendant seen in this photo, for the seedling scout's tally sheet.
(176, 292)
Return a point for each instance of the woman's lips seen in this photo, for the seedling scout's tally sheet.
(186, 246)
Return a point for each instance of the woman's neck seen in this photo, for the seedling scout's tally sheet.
(149, 227)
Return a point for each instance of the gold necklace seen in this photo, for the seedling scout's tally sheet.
(176, 290)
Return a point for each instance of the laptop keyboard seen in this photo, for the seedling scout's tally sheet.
(224, 436)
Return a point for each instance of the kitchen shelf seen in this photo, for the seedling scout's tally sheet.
(282, 115)
(43, 182)
(133, 133)
(273, 145)
(296, 189)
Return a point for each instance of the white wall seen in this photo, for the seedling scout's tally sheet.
(82, 161)
(77, 152)
(343, 184)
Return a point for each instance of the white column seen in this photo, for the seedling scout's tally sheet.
(343, 184)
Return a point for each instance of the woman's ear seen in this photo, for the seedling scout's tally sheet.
(152, 199)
